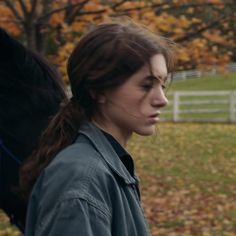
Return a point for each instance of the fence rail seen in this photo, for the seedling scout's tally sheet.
(191, 74)
(201, 106)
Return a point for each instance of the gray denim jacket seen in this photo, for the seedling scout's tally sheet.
(86, 191)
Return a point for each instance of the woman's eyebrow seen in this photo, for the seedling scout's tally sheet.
(158, 77)
(164, 78)
(149, 78)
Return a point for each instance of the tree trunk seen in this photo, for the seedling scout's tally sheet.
(40, 39)
(30, 39)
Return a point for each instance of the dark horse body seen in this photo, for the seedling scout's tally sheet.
(30, 92)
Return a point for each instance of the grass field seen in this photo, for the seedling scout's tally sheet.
(188, 175)
(217, 82)
(213, 83)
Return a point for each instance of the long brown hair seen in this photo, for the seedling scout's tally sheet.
(104, 58)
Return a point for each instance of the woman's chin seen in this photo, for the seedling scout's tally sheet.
(147, 131)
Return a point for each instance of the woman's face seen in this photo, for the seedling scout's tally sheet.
(135, 105)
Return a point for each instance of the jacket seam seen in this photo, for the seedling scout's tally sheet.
(56, 208)
(85, 186)
(90, 202)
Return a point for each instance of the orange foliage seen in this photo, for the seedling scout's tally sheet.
(7, 21)
(202, 50)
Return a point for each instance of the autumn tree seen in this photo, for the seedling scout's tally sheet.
(204, 30)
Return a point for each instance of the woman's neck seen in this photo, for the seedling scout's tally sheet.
(121, 137)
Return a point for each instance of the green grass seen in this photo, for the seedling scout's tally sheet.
(217, 82)
(188, 174)
(210, 147)
(213, 83)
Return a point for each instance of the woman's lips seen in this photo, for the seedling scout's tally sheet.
(154, 118)
(157, 114)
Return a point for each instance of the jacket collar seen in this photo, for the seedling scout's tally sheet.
(103, 146)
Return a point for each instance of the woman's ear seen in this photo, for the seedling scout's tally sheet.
(99, 97)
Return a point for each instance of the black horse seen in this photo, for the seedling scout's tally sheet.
(30, 93)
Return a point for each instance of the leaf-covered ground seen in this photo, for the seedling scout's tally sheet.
(5, 228)
(188, 180)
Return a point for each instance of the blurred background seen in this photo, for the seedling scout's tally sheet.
(188, 169)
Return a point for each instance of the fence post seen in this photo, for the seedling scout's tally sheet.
(176, 107)
(232, 106)
(199, 74)
(184, 75)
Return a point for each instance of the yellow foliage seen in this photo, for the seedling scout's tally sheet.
(195, 20)
(197, 51)
(190, 10)
(7, 22)
(91, 6)
(178, 30)
(56, 18)
(215, 1)
(129, 4)
(215, 37)
(184, 22)
(77, 26)
(183, 55)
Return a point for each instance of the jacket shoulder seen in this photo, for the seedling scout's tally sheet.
(75, 164)
(78, 169)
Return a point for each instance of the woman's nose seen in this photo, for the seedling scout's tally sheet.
(159, 99)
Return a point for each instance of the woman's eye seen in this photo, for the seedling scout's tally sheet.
(163, 86)
(147, 86)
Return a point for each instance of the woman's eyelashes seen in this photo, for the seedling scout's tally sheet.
(148, 84)
(163, 86)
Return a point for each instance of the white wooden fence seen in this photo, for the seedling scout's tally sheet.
(201, 106)
(192, 74)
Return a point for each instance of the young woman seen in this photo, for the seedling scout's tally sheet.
(86, 183)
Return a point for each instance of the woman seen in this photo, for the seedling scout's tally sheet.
(85, 178)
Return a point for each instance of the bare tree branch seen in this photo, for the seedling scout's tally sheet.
(166, 6)
(73, 5)
(118, 4)
(13, 10)
(23, 7)
(73, 11)
(147, 6)
(201, 30)
(48, 14)
(33, 7)
(92, 12)
(9, 21)
(193, 5)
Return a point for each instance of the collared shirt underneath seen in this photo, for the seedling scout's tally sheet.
(124, 156)
(121, 152)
